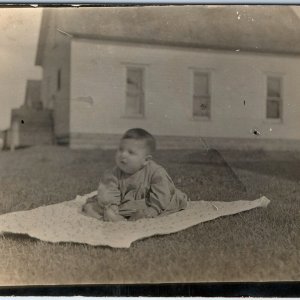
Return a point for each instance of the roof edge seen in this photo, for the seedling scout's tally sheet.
(237, 49)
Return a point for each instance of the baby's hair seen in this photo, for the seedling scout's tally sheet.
(141, 134)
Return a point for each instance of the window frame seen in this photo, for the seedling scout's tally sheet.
(279, 99)
(207, 72)
(142, 68)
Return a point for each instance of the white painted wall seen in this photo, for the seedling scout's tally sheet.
(57, 56)
(98, 91)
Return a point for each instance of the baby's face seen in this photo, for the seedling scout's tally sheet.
(132, 155)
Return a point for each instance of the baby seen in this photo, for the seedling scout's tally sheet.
(137, 187)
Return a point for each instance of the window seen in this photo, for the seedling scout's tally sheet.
(201, 95)
(134, 91)
(58, 80)
(274, 97)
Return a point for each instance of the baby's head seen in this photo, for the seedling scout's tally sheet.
(135, 150)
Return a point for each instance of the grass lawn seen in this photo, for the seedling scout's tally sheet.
(259, 245)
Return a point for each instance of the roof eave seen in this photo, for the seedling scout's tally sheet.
(184, 45)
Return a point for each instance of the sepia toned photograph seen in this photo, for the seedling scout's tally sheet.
(149, 144)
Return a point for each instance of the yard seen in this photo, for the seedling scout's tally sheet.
(259, 245)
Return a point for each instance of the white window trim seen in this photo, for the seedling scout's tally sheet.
(281, 76)
(208, 71)
(127, 65)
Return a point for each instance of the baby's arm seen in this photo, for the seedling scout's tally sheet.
(161, 191)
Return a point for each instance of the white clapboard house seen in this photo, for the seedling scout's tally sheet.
(194, 76)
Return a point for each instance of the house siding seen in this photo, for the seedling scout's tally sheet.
(238, 92)
(57, 56)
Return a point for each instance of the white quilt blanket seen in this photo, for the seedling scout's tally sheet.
(64, 222)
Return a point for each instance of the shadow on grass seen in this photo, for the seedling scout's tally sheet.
(203, 175)
(20, 237)
(213, 157)
(289, 170)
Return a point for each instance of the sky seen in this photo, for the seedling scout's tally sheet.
(19, 29)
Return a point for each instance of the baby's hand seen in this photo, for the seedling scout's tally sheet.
(111, 216)
(139, 214)
(148, 212)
